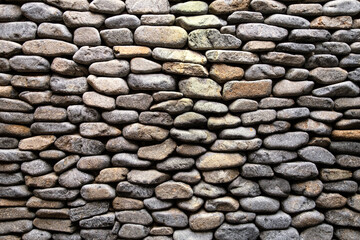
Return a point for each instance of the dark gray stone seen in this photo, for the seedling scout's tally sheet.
(297, 170)
(237, 232)
(88, 210)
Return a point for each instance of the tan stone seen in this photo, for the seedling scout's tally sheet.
(7, 92)
(220, 176)
(45, 181)
(37, 143)
(142, 132)
(330, 200)
(12, 203)
(246, 89)
(187, 69)
(49, 48)
(228, 6)
(111, 175)
(173, 190)
(157, 152)
(223, 73)
(211, 160)
(346, 134)
(325, 22)
(334, 174)
(35, 202)
(14, 130)
(54, 225)
(121, 203)
(131, 51)
(161, 36)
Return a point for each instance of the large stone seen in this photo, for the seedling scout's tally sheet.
(206, 39)
(259, 116)
(297, 170)
(247, 89)
(172, 218)
(323, 231)
(56, 193)
(345, 147)
(143, 65)
(10, 12)
(67, 67)
(74, 178)
(113, 37)
(18, 31)
(201, 21)
(37, 142)
(52, 128)
(237, 232)
(147, 177)
(194, 88)
(279, 220)
(87, 36)
(129, 160)
(54, 225)
(77, 144)
(268, 6)
(226, 7)
(344, 89)
(186, 69)
(210, 160)
(223, 73)
(151, 82)
(286, 141)
(75, 19)
(88, 55)
(40, 12)
(154, 36)
(97, 192)
(22, 63)
(263, 71)
(105, 220)
(338, 8)
(307, 219)
(178, 55)
(18, 226)
(108, 6)
(343, 217)
(287, 21)
(112, 68)
(18, 191)
(147, 6)
(136, 217)
(264, 156)
(123, 21)
(48, 48)
(142, 132)
(290, 233)
(295, 204)
(133, 190)
(317, 155)
(229, 56)
(88, 210)
(94, 99)
(259, 31)
(173, 190)
(68, 85)
(203, 221)
(188, 234)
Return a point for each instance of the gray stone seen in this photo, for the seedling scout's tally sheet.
(204, 107)
(275, 187)
(295, 204)
(344, 186)
(93, 234)
(88, 210)
(79, 145)
(173, 190)
(68, 85)
(193, 135)
(251, 170)
(120, 116)
(279, 220)
(36, 167)
(265, 156)
(7, 142)
(97, 192)
(156, 204)
(338, 90)
(8, 48)
(293, 113)
(323, 231)
(286, 141)
(133, 190)
(203, 221)
(275, 127)
(231, 56)
(37, 234)
(297, 170)
(305, 10)
(188, 234)
(206, 39)
(105, 220)
(107, 6)
(309, 35)
(123, 21)
(135, 216)
(112, 68)
(52, 128)
(81, 113)
(120, 144)
(133, 231)
(273, 102)
(54, 30)
(345, 147)
(347, 234)
(347, 36)
(351, 60)
(192, 205)
(108, 85)
(317, 155)
(36, 98)
(338, 8)
(87, 55)
(263, 71)
(94, 99)
(206, 190)
(30, 64)
(74, 178)
(178, 55)
(142, 132)
(243, 105)
(245, 17)
(157, 20)
(191, 88)
(201, 21)
(237, 232)
(307, 219)
(67, 67)
(259, 31)
(175, 164)
(290, 233)
(297, 74)
(244, 188)
(172, 218)
(10, 12)
(114, 37)
(287, 21)
(147, 177)
(322, 60)
(148, 6)
(18, 31)
(15, 117)
(190, 8)
(240, 217)
(336, 48)
(18, 191)
(75, 19)
(138, 101)
(260, 204)
(128, 160)
(87, 36)
(31, 82)
(143, 65)
(186, 69)
(191, 177)
(343, 217)
(259, 116)
(268, 6)
(348, 161)
(315, 102)
(66, 163)
(223, 122)
(48, 48)
(56, 193)
(151, 82)
(158, 36)
(18, 226)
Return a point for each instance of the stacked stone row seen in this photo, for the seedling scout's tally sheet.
(158, 120)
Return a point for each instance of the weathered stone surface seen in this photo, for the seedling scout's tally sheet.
(87, 36)
(223, 73)
(113, 37)
(188, 234)
(142, 132)
(136, 217)
(173, 190)
(153, 153)
(317, 155)
(338, 90)
(153, 36)
(49, 113)
(246, 89)
(88, 55)
(18, 226)
(143, 65)
(129, 160)
(37, 142)
(108, 6)
(56, 193)
(121, 203)
(237, 232)
(193, 135)
(178, 55)
(67, 67)
(342, 217)
(10, 12)
(259, 31)
(156, 204)
(94, 99)
(268, 6)
(97, 192)
(186, 69)
(230, 56)
(18, 31)
(88, 210)
(297, 170)
(203, 221)
(210, 161)
(172, 218)
(194, 88)
(286, 141)
(77, 144)
(151, 82)
(206, 39)
(134, 191)
(22, 63)
(138, 101)
(75, 19)
(290, 233)
(259, 116)
(48, 48)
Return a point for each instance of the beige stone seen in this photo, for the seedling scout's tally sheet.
(37, 143)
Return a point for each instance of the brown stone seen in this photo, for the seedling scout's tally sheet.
(334, 174)
(131, 51)
(44, 181)
(121, 203)
(223, 73)
(14, 130)
(142, 132)
(12, 203)
(228, 6)
(325, 22)
(173, 190)
(346, 135)
(54, 225)
(330, 200)
(246, 89)
(111, 175)
(186, 69)
(35, 202)
(16, 213)
(220, 176)
(37, 143)
(206, 221)
(157, 152)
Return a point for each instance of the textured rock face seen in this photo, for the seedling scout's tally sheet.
(184, 120)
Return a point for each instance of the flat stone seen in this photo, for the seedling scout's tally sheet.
(172, 218)
(202, 21)
(94, 99)
(77, 144)
(138, 131)
(297, 170)
(88, 55)
(224, 7)
(258, 46)
(326, 116)
(34, 202)
(210, 160)
(188, 234)
(279, 220)
(68, 85)
(54, 30)
(203, 221)
(309, 35)
(259, 116)
(17, 226)
(157, 20)
(48, 48)
(345, 147)
(152, 152)
(18, 31)
(175, 164)
(264, 156)
(8, 48)
(186, 69)
(81, 113)
(204, 107)
(52, 128)
(74, 178)
(127, 189)
(8, 143)
(123, 21)
(290, 233)
(193, 135)
(136, 217)
(190, 88)
(138, 101)
(222, 73)
(56, 193)
(236, 145)
(240, 217)
(286, 21)
(45, 181)
(315, 102)
(348, 161)
(295, 204)
(305, 10)
(173, 190)
(178, 55)
(346, 233)
(192, 205)
(263, 71)
(108, 7)
(220, 176)
(37, 142)
(206, 39)
(346, 103)
(156, 204)
(336, 48)
(105, 220)
(16, 213)
(10, 12)
(54, 225)
(310, 125)
(347, 7)
(338, 90)
(260, 204)
(244, 188)
(344, 186)
(297, 74)
(256, 31)
(120, 36)
(275, 187)
(31, 82)
(148, 6)
(243, 105)
(143, 65)
(75, 19)
(308, 219)
(131, 51)
(190, 150)
(35, 233)
(87, 36)
(226, 204)
(36, 167)
(286, 141)
(121, 203)
(133, 231)
(206, 190)
(275, 127)
(342, 217)
(97, 192)
(190, 119)
(190, 8)
(154, 36)
(324, 22)
(251, 170)
(88, 210)
(317, 155)
(152, 82)
(147, 177)
(231, 56)
(31, 64)
(237, 232)
(334, 174)
(324, 231)
(247, 89)
(268, 6)
(129, 160)
(293, 113)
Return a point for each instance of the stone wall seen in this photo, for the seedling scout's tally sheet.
(184, 120)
